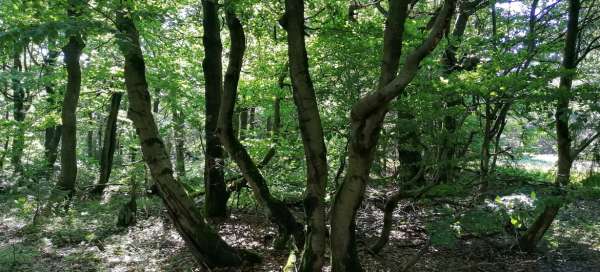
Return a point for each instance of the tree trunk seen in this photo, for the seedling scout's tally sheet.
(495, 119)
(68, 150)
(251, 118)
(243, 127)
(90, 145)
(484, 160)
(392, 203)
(52, 133)
(99, 143)
(565, 154)
(5, 146)
(447, 156)
(311, 131)
(216, 196)
(109, 143)
(409, 154)
(275, 209)
(18, 114)
(179, 132)
(205, 244)
(366, 121)
(127, 214)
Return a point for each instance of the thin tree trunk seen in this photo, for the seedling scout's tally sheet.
(566, 155)
(409, 154)
(109, 143)
(204, 243)
(243, 127)
(251, 118)
(216, 196)
(495, 118)
(274, 208)
(392, 203)
(179, 132)
(447, 157)
(237, 183)
(484, 160)
(311, 130)
(99, 143)
(52, 133)
(53, 147)
(18, 114)
(90, 140)
(68, 151)
(4, 147)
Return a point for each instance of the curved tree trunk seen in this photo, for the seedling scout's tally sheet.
(366, 121)
(275, 209)
(109, 143)
(311, 131)
(68, 150)
(392, 203)
(216, 196)
(236, 184)
(205, 244)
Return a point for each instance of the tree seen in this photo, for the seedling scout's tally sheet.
(108, 143)
(311, 131)
(566, 153)
(366, 119)
(52, 133)
(204, 242)
(18, 97)
(68, 150)
(216, 197)
(274, 208)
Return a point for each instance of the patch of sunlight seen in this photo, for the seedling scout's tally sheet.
(511, 202)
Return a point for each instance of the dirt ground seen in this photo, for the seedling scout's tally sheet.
(153, 245)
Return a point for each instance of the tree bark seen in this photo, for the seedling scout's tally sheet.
(274, 208)
(216, 197)
(99, 143)
(205, 244)
(109, 143)
(68, 150)
(409, 151)
(52, 133)
(243, 123)
(179, 132)
(536, 231)
(366, 121)
(5, 145)
(90, 140)
(311, 131)
(18, 114)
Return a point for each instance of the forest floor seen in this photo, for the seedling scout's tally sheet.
(85, 237)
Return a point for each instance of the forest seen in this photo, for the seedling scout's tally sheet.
(299, 135)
